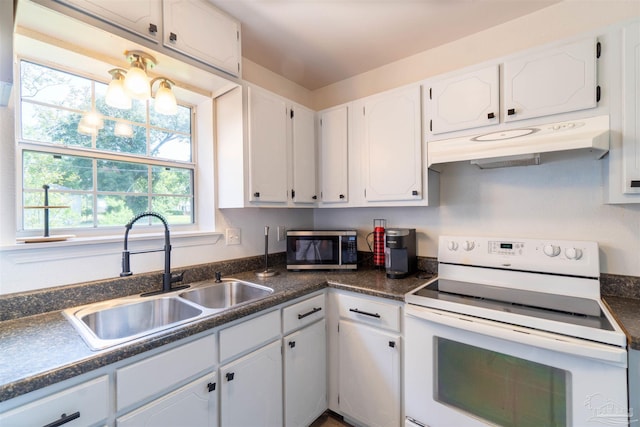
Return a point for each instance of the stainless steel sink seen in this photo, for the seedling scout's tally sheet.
(110, 323)
(225, 294)
(113, 322)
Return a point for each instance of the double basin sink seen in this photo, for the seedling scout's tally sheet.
(114, 322)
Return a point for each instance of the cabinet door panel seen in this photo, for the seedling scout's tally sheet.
(393, 165)
(192, 405)
(199, 30)
(267, 147)
(631, 97)
(464, 102)
(369, 380)
(305, 376)
(551, 82)
(303, 155)
(251, 389)
(334, 155)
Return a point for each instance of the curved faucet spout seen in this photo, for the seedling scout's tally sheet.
(167, 279)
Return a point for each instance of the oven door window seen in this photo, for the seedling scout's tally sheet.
(499, 388)
(312, 250)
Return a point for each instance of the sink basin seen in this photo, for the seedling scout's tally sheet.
(225, 294)
(106, 324)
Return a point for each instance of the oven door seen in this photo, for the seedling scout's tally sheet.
(465, 371)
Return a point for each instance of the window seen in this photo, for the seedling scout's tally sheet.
(125, 162)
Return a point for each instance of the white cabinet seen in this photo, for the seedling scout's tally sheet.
(305, 375)
(392, 146)
(140, 17)
(195, 404)
(631, 108)
(251, 389)
(464, 101)
(552, 81)
(81, 405)
(303, 154)
(334, 144)
(197, 29)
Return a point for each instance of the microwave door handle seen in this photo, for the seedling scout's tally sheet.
(339, 250)
(613, 355)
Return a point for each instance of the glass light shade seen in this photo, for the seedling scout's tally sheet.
(165, 100)
(136, 82)
(117, 96)
(124, 130)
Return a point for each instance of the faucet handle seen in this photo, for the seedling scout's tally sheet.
(218, 276)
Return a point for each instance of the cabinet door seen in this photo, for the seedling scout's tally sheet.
(251, 389)
(199, 30)
(392, 144)
(305, 375)
(267, 147)
(141, 17)
(195, 404)
(554, 81)
(464, 102)
(334, 155)
(303, 154)
(369, 379)
(631, 99)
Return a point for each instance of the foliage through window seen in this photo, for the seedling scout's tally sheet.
(131, 161)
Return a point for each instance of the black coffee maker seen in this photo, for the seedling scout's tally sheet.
(400, 252)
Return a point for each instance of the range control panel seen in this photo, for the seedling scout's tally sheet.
(569, 257)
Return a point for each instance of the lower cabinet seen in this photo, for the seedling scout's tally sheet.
(195, 404)
(251, 389)
(305, 375)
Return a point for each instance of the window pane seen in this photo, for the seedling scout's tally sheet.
(167, 180)
(57, 171)
(177, 210)
(168, 145)
(108, 140)
(49, 124)
(79, 213)
(122, 177)
(43, 84)
(181, 122)
(118, 210)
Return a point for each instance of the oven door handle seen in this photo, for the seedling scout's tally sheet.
(601, 352)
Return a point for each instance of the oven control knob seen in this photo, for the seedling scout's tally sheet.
(468, 245)
(551, 250)
(453, 246)
(573, 253)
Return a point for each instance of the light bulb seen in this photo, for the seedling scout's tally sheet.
(136, 82)
(165, 100)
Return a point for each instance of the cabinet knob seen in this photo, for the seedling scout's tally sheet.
(153, 28)
(173, 37)
(342, 196)
(292, 344)
(511, 111)
(314, 197)
(230, 376)
(211, 387)
(392, 344)
(414, 193)
(256, 194)
(491, 116)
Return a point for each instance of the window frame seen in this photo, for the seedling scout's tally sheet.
(21, 145)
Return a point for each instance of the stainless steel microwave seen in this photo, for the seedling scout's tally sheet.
(322, 250)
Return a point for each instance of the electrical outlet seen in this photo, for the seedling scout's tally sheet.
(232, 236)
(281, 232)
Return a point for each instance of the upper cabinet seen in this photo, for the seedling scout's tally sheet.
(194, 28)
(391, 144)
(197, 29)
(463, 102)
(334, 146)
(141, 17)
(631, 105)
(303, 154)
(551, 81)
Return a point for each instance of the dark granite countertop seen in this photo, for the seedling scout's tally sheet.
(43, 349)
(627, 312)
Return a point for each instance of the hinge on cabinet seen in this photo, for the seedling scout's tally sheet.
(293, 193)
(364, 111)
(430, 125)
(598, 49)
(598, 93)
(237, 35)
(291, 114)
(430, 93)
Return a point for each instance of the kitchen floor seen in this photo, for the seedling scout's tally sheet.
(329, 419)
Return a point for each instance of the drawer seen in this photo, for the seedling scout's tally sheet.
(249, 335)
(303, 313)
(83, 405)
(162, 372)
(372, 312)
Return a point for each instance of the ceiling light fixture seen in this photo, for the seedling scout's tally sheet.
(134, 83)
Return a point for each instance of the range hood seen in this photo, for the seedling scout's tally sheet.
(523, 146)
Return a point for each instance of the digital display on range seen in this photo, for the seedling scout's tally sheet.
(506, 245)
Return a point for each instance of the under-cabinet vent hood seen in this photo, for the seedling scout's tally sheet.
(523, 146)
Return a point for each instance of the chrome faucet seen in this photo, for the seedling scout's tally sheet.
(167, 278)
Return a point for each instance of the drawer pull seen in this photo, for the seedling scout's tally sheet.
(64, 418)
(355, 310)
(314, 310)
